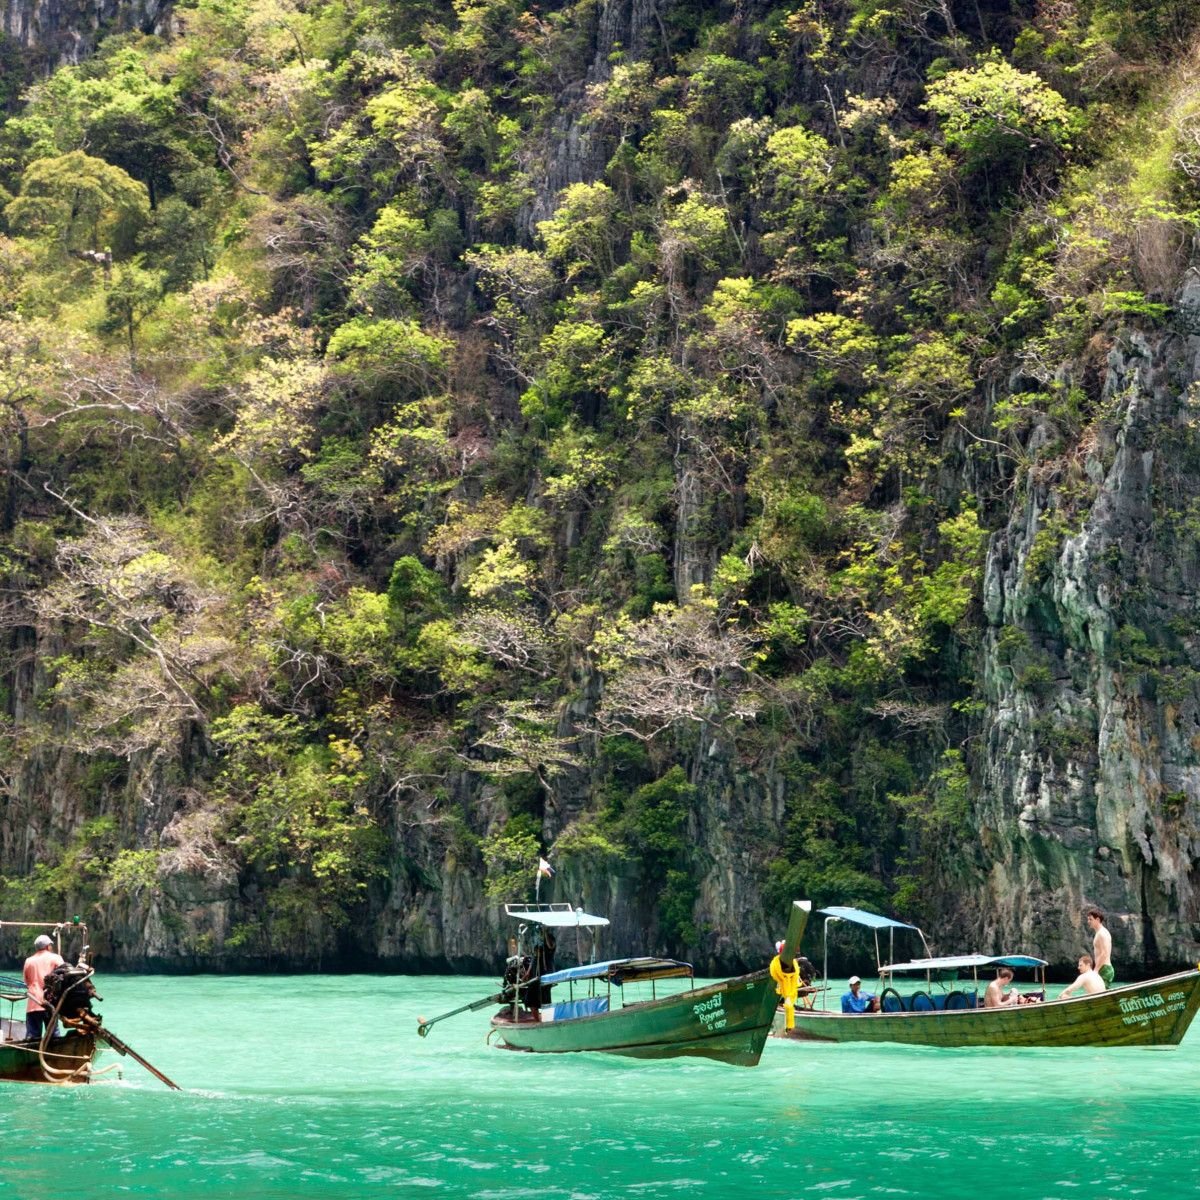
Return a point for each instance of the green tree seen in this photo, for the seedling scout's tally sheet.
(654, 824)
(415, 594)
(79, 201)
(136, 129)
(584, 231)
(510, 859)
(937, 822)
(179, 239)
(995, 114)
(131, 297)
(297, 810)
(379, 354)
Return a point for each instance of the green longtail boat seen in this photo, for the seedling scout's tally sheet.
(727, 1021)
(945, 1007)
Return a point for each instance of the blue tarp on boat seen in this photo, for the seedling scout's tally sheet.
(590, 1006)
(622, 969)
(587, 971)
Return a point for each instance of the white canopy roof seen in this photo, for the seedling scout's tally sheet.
(556, 916)
(959, 962)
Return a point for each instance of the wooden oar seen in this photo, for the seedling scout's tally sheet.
(121, 1047)
(423, 1024)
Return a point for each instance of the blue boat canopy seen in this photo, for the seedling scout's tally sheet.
(860, 916)
(571, 974)
(959, 962)
(623, 970)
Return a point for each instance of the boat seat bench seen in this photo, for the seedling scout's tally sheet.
(921, 1001)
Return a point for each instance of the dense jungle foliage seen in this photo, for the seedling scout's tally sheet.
(480, 418)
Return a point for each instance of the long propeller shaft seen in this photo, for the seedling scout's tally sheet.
(424, 1024)
(121, 1047)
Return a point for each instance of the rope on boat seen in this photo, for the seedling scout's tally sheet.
(58, 1074)
(49, 1053)
(87, 1025)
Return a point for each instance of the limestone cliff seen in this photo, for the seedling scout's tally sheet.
(1088, 766)
(739, 385)
(54, 31)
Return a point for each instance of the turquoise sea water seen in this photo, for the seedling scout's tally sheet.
(307, 1086)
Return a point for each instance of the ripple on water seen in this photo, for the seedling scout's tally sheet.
(289, 1093)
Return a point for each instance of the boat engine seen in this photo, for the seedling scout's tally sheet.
(516, 971)
(73, 986)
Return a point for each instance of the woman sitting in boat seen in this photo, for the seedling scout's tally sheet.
(807, 974)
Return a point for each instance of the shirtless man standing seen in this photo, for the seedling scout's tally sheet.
(1101, 946)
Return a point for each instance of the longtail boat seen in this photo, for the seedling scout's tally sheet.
(947, 1010)
(727, 1021)
(65, 1057)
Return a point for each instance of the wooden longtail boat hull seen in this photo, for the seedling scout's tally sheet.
(1155, 1013)
(727, 1021)
(71, 1053)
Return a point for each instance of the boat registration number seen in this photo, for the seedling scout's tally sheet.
(1140, 1010)
(711, 1012)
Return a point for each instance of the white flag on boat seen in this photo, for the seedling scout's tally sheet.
(544, 868)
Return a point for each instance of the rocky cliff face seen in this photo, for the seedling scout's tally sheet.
(572, 152)
(55, 31)
(1086, 772)
(1090, 758)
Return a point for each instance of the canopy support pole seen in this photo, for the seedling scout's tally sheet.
(825, 963)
